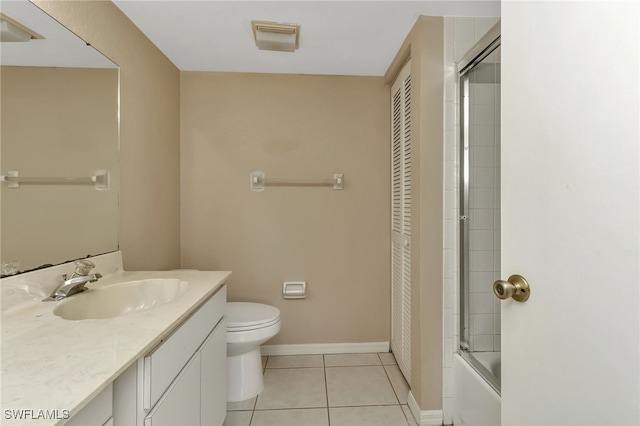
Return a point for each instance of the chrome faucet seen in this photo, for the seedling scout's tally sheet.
(75, 283)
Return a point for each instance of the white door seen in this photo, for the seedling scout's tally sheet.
(570, 212)
(401, 220)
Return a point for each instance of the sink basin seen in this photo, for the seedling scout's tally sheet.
(122, 298)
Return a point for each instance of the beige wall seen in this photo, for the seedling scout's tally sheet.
(149, 131)
(425, 46)
(58, 122)
(291, 126)
(286, 126)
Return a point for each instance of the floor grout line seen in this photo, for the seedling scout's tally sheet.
(386, 373)
(322, 407)
(255, 403)
(326, 387)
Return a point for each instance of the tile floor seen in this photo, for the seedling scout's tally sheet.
(327, 390)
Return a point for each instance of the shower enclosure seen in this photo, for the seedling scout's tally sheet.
(479, 207)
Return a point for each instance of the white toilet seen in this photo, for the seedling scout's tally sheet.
(248, 326)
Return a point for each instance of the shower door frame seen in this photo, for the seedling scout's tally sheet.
(483, 48)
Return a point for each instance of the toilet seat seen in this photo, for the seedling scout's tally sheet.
(244, 316)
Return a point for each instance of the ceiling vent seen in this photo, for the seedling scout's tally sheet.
(11, 30)
(276, 36)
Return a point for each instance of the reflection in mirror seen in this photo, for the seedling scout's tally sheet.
(59, 118)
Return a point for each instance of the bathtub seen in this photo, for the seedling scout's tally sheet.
(475, 401)
(490, 361)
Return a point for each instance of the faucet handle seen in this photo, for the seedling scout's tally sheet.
(83, 267)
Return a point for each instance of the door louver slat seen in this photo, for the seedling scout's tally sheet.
(401, 221)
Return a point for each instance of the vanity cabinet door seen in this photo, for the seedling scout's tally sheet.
(183, 381)
(97, 412)
(164, 363)
(213, 353)
(180, 405)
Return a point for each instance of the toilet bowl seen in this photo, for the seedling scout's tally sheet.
(248, 326)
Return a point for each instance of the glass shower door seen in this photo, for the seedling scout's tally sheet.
(480, 213)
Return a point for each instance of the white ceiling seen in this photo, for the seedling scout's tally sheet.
(59, 47)
(336, 37)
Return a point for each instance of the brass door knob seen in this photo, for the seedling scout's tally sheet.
(516, 287)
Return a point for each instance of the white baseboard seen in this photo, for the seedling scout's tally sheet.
(325, 348)
(426, 417)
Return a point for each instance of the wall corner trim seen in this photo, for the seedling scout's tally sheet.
(325, 348)
(426, 417)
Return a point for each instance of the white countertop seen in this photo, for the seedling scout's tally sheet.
(49, 363)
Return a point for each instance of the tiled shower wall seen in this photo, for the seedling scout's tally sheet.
(460, 35)
(484, 209)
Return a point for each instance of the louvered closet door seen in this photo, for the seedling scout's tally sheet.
(401, 221)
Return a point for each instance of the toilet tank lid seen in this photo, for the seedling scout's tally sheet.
(246, 314)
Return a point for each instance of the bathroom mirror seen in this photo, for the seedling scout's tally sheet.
(59, 119)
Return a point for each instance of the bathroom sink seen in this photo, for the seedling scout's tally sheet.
(120, 299)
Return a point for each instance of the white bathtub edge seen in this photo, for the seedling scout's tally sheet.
(475, 402)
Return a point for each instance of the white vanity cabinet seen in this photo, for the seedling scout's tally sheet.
(213, 377)
(183, 380)
(97, 412)
(180, 404)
